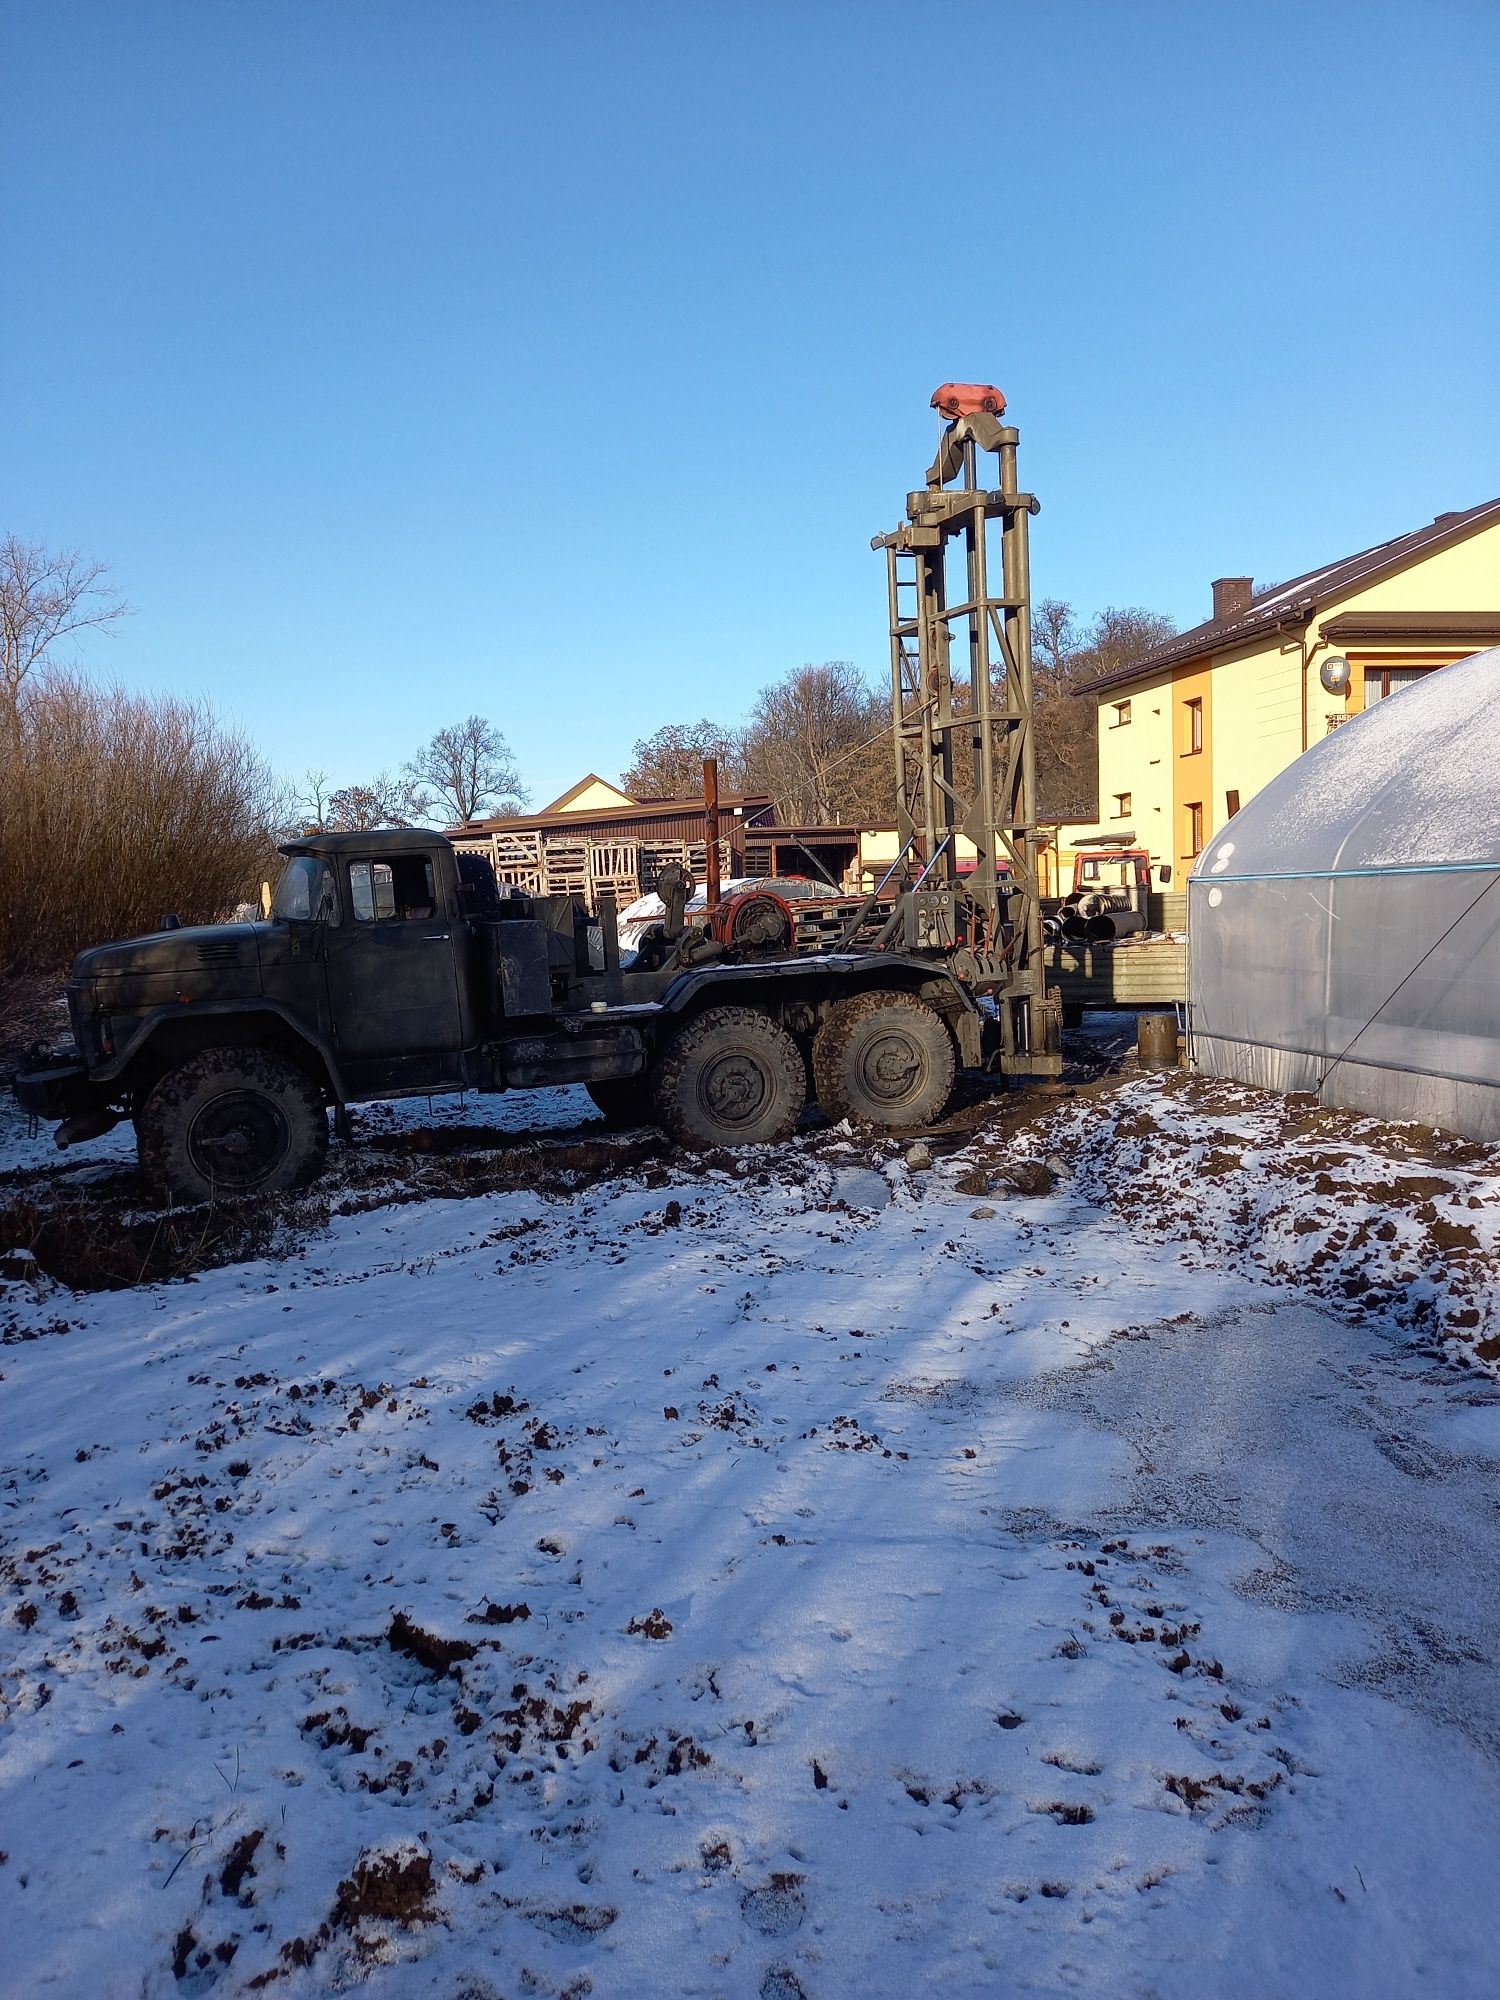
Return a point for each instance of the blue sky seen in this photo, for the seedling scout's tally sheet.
(559, 361)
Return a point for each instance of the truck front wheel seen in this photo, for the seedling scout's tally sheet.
(231, 1121)
(884, 1059)
(733, 1077)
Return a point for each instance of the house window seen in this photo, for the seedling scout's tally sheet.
(1381, 682)
(1122, 805)
(1122, 714)
(1231, 804)
(1193, 731)
(1194, 828)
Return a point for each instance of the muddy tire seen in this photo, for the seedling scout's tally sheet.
(733, 1077)
(231, 1122)
(886, 1060)
(625, 1100)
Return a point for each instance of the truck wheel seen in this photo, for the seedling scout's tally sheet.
(884, 1059)
(733, 1077)
(624, 1100)
(231, 1122)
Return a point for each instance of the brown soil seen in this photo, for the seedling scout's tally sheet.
(655, 1625)
(240, 1862)
(391, 1888)
(439, 1656)
(1307, 1195)
(105, 1234)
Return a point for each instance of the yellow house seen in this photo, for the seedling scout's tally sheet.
(1197, 727)
(590, 795)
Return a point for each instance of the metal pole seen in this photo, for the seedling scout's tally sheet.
(936, 707)
(982, 704)
(905, 823)
(1019, 805)
(711, 828)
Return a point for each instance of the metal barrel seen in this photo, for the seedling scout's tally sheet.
(1158, 1044)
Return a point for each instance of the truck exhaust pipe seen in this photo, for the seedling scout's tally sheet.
(84, 1125)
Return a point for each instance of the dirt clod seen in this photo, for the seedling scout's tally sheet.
(655, 1625)
(395, 1887)
(240, 1862)
(438, 1655)
(498, 1614)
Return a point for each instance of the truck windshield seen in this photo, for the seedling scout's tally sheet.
(305, 892)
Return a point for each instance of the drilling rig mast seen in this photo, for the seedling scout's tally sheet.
(965, 752)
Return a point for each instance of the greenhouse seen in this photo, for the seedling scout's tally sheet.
(1344, 928)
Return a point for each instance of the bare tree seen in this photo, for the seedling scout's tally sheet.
(669, 763)
(309, 803)
(44, 598)
(1065, 654)
(470, 770)
(807, 742)
(383, 801)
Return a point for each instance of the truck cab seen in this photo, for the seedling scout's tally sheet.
(369, 938)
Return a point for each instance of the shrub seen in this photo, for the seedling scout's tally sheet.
(116, 808)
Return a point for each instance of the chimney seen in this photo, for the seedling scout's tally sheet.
(1232, 595)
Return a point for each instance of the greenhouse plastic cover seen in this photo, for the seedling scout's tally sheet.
(1344, 929)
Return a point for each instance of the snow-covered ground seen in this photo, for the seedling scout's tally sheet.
(810, 1576)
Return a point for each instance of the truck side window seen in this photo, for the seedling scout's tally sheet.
(401, 890)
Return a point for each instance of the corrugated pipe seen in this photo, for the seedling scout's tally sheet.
(1118, 924)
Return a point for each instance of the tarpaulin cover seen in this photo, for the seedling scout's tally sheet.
(1344, 929)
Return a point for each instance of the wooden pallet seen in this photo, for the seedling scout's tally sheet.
(614, 864)
(692, 855)
(1151, 972)
(565, 867)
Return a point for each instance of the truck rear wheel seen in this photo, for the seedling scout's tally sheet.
(624, 1100)
(884, 1059)
(231, 1122)
(733, 1077)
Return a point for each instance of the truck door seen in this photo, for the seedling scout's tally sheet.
(393, 978)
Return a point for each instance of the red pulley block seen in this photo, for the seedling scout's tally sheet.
(966, 399)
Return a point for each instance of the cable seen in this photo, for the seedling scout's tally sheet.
(1415, 969)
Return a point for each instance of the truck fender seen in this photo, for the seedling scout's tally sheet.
(221, 1009)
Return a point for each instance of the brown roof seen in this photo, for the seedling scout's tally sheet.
(822, 830)
(1410, 625)
(752, 803)
(1295, 602)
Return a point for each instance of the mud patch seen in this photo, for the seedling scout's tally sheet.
(776, 1909)
(438, 1655)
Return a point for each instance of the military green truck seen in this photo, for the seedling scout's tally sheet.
(391, 964)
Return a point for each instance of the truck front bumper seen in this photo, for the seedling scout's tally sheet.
(57, 1089)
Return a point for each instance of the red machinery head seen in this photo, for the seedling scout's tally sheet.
(756, 920)
(966, 399)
